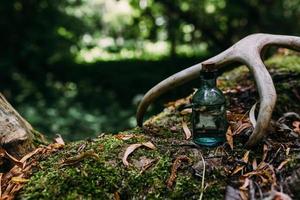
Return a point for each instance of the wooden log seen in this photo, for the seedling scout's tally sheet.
(17, 136)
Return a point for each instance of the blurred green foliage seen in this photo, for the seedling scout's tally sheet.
(78, 67)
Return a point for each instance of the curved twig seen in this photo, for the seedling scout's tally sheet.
(248, 51)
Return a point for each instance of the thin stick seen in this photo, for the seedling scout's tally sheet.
(203, 177)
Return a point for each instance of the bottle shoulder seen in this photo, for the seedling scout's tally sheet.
(209, 96)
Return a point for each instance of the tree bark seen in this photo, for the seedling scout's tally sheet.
(17, 136)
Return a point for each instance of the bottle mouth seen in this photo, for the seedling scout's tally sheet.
(209, 74)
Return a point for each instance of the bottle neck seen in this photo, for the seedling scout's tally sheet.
(208, 79)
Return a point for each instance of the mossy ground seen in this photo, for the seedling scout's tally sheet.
(106, 177)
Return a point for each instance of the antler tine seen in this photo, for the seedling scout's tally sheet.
(247, 51)
(291, 42)
(176, 80)
(164, 86)
(267, 94)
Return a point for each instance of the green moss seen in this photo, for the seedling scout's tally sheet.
(102, 178)
(284, 63)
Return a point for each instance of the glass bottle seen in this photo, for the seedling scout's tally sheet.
(208, 112)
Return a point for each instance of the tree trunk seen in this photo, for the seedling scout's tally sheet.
(17, 136)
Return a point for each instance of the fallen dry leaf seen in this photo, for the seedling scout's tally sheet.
(244, 195)
(54, 146)
(282, 164)
(132, 148)
(252, 115)
(186, 111)
(296, 124)
(149, 145)
(229, 137)
(241, 128)
(241, 167)
(19, 180)
(245, 184)
(237, 169)
(58, 139)
(117, 196)
(265, 172)
(30, 154)
(80, 157)
(231, 116)
(144, 163)
(128, 151)
(13, 159)
(186, 130)
(13, 180)
(175, 167)
(254, 164)
(246, 157)
(124, 136)
(265, 152)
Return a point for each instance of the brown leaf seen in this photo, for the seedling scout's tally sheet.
(265, 152)
(237, 169)
(54, 146)
(19, 180)
(282, 164)
(117, 196)
(27, 156)
(231, 116)
(58, 139)
(254, 164)
(175, 167)
(241, 128)
(265, 172)
(12, 181)
(186, 130)
(132, 148)
(144, 163)
(149, 145)
(80, 157)
(124, 136)
(252, 115)
(245, 184)
(246, 157)
(244, 195)
(13, 159)
(241, 167)
(186, 111)
(128, 151)
(296, 124)
(229, 137)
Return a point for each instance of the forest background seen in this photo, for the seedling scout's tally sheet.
(79, 67)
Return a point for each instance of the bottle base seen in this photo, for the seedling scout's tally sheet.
(209, 141)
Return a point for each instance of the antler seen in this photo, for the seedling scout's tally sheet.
(247, 51)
